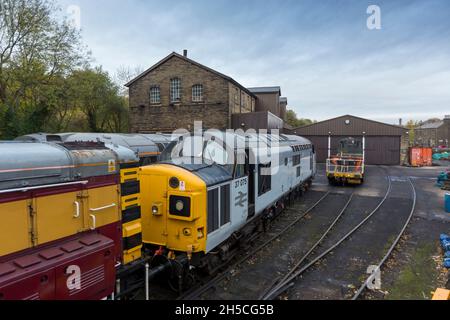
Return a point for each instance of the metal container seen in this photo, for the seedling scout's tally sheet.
(421, 157)
(447, 202)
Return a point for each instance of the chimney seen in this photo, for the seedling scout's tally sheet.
(447, 119)
(185, 53)
(400, 122)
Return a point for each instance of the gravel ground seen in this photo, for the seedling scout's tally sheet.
(414, 269)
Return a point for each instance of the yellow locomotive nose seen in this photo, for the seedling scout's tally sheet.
(173, 208)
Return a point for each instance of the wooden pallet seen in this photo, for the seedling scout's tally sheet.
(446, 185)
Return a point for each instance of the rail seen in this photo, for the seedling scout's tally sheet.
(283, 286)
(190, 295)
(394, 244)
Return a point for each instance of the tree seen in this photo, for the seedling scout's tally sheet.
(46, 81)
(124, 75)
(97, 97)
(412, 125)
(37, 51)
(292, 120)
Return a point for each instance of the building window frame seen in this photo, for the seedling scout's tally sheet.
(175, 90)
(197, 92)
(155, 95)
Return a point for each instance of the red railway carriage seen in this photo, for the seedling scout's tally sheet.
(68, 213)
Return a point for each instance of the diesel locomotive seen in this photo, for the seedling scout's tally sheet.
(208, 197)
(70, 219)
(348, 165)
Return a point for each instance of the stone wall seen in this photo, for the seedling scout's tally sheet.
(166, 116)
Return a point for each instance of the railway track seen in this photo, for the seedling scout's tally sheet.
(289, 279)
(197, 291)
(392, 247)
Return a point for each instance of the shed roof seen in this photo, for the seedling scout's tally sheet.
(349, 125)
(174, 54)
(274, 89)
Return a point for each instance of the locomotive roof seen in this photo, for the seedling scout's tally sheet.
(26, 164)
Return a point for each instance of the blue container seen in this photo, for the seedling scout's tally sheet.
(447, 255)
(445, 245)
(447, 202)
(447, 263)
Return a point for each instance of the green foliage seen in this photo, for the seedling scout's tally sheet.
(292, 120)
(412, 125)
(46, 82)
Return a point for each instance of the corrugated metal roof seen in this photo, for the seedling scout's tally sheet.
(349, 125)
(431, 125)
(265, 90)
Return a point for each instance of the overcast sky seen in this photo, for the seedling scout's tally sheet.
(321, 53)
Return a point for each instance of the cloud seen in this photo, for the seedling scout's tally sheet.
(321, 53)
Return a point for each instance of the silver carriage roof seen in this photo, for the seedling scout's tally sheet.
(28, 164)
(140, 143)
(262, 139)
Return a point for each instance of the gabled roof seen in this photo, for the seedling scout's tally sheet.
(174, 54)
(356, 126)
(431, 125)
(265, 90)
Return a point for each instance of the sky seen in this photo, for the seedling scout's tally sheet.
(321, 53)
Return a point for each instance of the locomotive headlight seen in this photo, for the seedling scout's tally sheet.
(180, 206)
(155, 210)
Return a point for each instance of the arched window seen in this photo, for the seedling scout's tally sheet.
(175, 90)
(155, 95)
(197, 93)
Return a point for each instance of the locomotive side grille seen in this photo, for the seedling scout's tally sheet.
(34, 296)
(89, 279)
(218, 207)
(213, 210)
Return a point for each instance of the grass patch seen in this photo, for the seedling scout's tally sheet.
(418, 278)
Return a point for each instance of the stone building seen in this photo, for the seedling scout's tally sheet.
(432, 134)
(177, 91)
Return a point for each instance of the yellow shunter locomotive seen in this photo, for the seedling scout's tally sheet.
(347, 166)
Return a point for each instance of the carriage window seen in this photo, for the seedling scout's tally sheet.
(264, 180)
(296, 160)
(299, 171)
